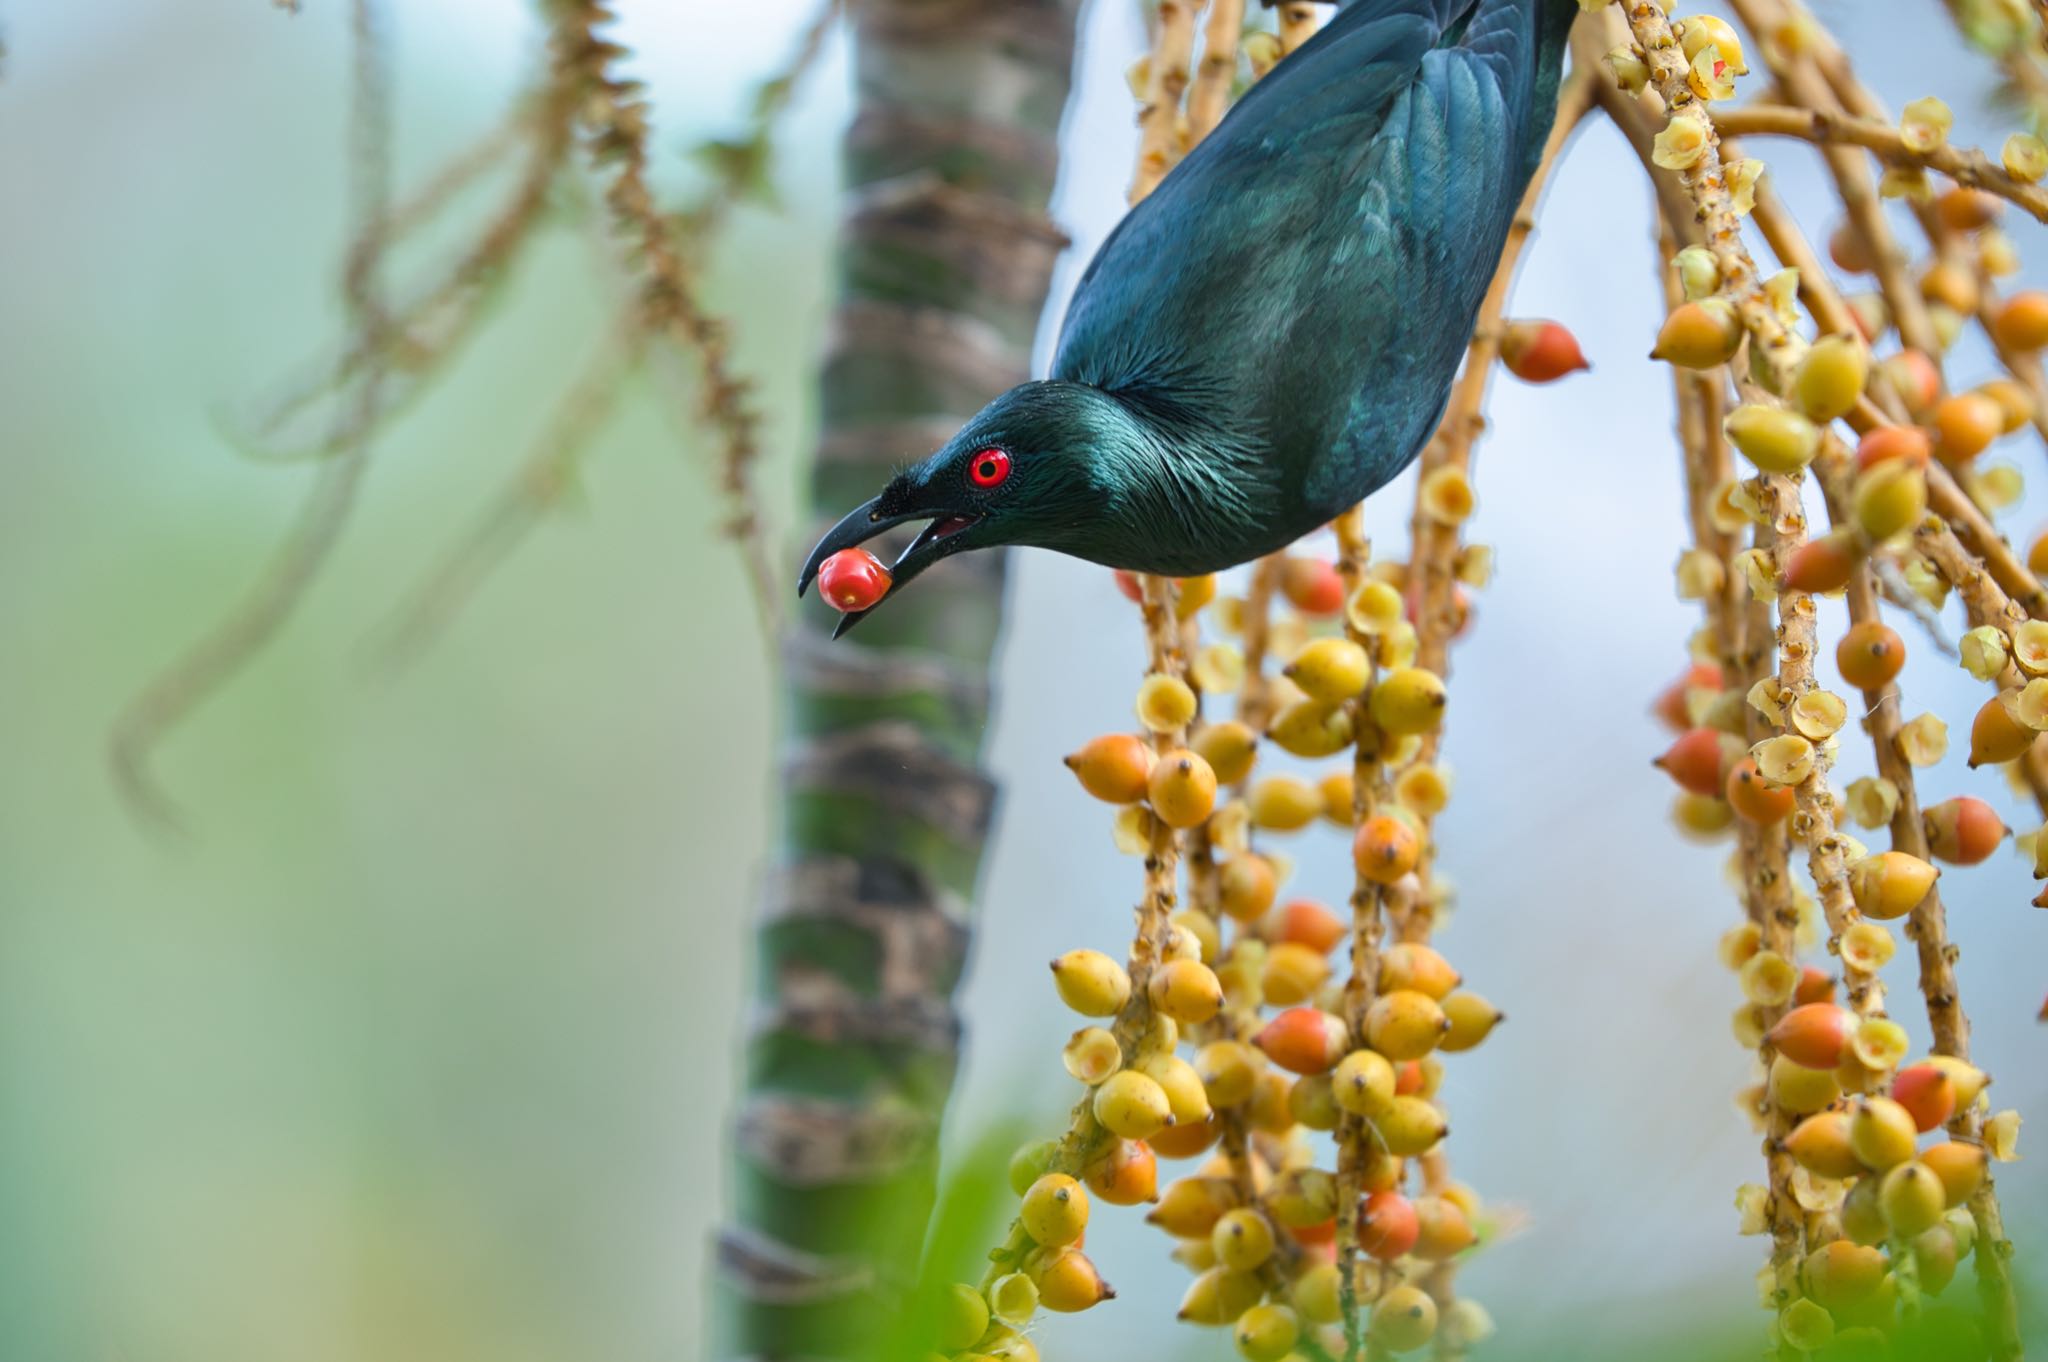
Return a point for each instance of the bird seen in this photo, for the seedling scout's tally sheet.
(1271, 335)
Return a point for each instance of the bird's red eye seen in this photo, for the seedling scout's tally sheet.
(989, 469)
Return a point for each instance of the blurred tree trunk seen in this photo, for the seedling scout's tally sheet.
(945, 257)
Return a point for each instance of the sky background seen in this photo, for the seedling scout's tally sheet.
(415, 1048)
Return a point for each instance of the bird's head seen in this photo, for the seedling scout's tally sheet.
(1023, 471)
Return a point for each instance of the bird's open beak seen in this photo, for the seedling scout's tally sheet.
(935, 541)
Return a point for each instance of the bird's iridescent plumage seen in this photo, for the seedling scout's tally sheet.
(1272, 334)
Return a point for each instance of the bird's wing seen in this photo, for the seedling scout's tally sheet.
(1315, 263)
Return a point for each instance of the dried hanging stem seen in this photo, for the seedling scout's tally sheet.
(221, 654)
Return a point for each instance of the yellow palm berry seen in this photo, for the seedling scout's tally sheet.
(1312, 728)
(1403, 1319)
(1408, 700)
(1699, 335)
(1132, 1105)
(1890, 884)
(1889, 498)
(1881, 1133)
(1330, 669)
(1363, 1083)
(1316, 1294)
(963, 1317)
(1220, 1296)
(1405, 1024)
(1339, 796)
(1699, 31)
(1831, 377)
(1229, 1070)
(1229, 747)
(1091, 983)
(1471, 1019)
(1800, 1090)
(1185, 990)
(1772, 438)
(1911, 1199)
(1246, 886)
(1409, 1126)
(1267, 1333)
(1055, 1210)
(1292, 973)
(1243, 1239)
(1284, 803)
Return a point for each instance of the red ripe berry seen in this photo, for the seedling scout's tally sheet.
(1541, 352)
(1408, 1078)
(1387, 1225)
(1312, 586)
(1127, 582)
(853, 579)
(1694, 761)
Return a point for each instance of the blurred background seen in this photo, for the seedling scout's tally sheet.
(417, 1045)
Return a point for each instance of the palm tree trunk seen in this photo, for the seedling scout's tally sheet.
(945, 257)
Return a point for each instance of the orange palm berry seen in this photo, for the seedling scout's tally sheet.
(1870, 655)
(1963, 209)
(1841, 1274)
(1915, 378)
(1246, 886)
(1443, 1230)
(1540, 351)
(1815, 1036)
(1890, 884)
(1755, 798)
(1385, 849)
(1962, 831)
(1312, 586)
(1815, 985)
(2022, 321)
(1927, 1093)
(1822, 565)
(1995, 736)
(1068, 1283)
(1308, 923)
(1850, 251)
(1820, 1145)
(1113, 767)
(1184, 1142)
(1911, 444)
(1673, 704)
(1694, 761)
(1304, 1040)
(1125, 1174)
(1387, 1225)
(1965, 424)
(1959, 1165)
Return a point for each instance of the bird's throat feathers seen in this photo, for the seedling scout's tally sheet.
(1174, 484)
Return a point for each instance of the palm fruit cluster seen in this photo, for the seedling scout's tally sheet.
(1878, 1182)
(1234, 1045)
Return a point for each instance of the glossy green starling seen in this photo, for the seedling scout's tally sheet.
(1272, 334)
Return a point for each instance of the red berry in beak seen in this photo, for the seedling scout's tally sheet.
(853, 579)
(1541, 352)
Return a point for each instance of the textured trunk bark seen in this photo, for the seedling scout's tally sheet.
(946, 254)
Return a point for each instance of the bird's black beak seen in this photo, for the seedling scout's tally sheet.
(937, 540)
